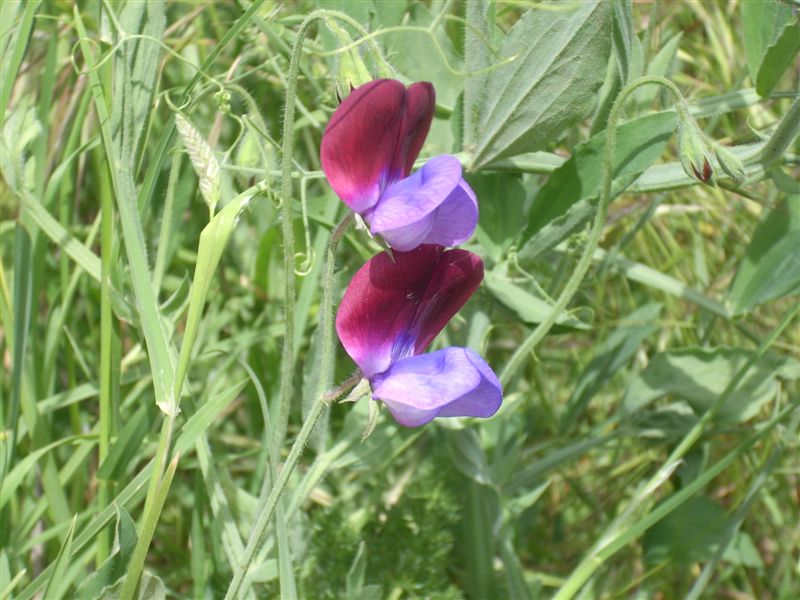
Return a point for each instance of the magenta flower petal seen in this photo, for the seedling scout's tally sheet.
(456, 277)
(454, 382)
(374, 138)
(406, 212)
(394, 308)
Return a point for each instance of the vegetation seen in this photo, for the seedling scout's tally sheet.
(171, 265)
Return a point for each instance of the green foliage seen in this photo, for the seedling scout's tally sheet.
(407, 544)
(560, 55)
(160, 344)
(699, 375)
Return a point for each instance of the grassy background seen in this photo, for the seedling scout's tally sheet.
(104, 264)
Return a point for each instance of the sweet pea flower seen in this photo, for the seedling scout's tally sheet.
(367, 152)
(390, 313)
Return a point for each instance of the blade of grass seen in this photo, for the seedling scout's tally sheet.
(55, 581)
(21, 325)
(22, 35)
(148, 527)
(106, 376)
(736, 522)
(194, 427)
(84, 257)
(285, 566)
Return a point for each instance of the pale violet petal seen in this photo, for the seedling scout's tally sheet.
(447, 383)
(454, 222)
(404, 211)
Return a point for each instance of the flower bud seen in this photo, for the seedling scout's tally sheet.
(729, 163)
(351, 71)
(694, 151)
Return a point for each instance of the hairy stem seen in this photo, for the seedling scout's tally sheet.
(322, 398)
(523, 351)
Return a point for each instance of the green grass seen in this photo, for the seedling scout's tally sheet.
(169, 362)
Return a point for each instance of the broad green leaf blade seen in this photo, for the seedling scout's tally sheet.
(565, 202)
(115, 565)
(562, 50)
(528, 307)
(502, 199)
(478, 53)
(659, 66)
(770, 268)
(778, 58)
(699, 376)
(690, 533)
(763, 21)
(610, 356)
(468, 456)
(135, 73)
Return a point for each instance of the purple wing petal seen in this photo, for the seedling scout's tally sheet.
(405, 213)
(457, 275)
(380, 304)
(454, 382)
(373, 138)
(454, 221)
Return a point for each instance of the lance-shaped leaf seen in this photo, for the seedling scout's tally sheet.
(562, 51)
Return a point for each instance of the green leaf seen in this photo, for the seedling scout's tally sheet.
(113, 568)
(659, 66)
(480, 517)
(213, 240)
(562, 50)
(501, 197)
(354, 583)
(528, 307)
(699, 376)
(56, 580)
(135, 73)
(770, 268)
(778, 58)
(661, 281)
(623, 38)
(565, 202)
(768, 41)
(690, 533)
(127, 444)
(611, 355)
(23, 467)
(150, 588)
(468, 456)
(478, 56)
